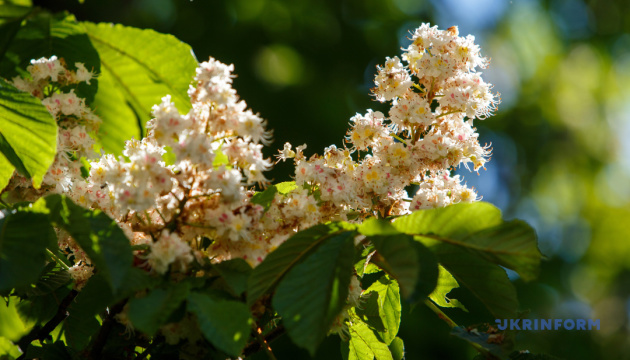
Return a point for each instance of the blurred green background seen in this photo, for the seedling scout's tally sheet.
(561, 156)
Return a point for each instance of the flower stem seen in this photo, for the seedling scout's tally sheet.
(452, 324)
(398, 138)
(57, 260)
(264, 344)
(448, 113)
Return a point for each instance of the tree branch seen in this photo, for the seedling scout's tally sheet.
(42, 333)
(256, 346)
(106, 328)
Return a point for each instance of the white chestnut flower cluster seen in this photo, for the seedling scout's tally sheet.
(435, 95)
(199, 207)
(52, 82)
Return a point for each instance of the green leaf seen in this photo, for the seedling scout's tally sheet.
(24, 237)
(136, 280)
(389, 308)
(53, 277)
(11, 327)
(81, 324)
(365, 344)
(97, 234)
(374, 226)
(454, 221)
(45, 34)
(466, 237)
(235, 272)
(512, 244)
(286, 187)
(226, 324)
(11, 17)
(446, 283)
(28, 135)
(142, 72)
(265, 198)
(8, 348)
(40, 309)
(369, 311)
(397, 348)
(487, 281)
(407, 261)
(54, 351)
(220, 159)
(268, 273)
(150, 312)
(119, 120)
(309, 311)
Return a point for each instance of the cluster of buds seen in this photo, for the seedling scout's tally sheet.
(435, 96)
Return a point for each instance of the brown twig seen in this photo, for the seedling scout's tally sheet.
(255, 346)
(42, 333)
(106, 328)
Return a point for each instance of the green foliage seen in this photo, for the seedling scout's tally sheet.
(397, 348)
(466, 236)
(97, 234)
(309, 311)
(266, 276)
(407, 261)
(265, 198)
(235, 272)
(150, 312)
(24, 238)
(43, 35)
(226, 324)
(28, 135)
(365, 344)
(137, 70)
(384, 304)
(11, 327)
(446, 283)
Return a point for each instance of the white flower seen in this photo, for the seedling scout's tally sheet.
(167, 250)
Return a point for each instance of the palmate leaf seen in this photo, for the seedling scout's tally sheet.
(266, 276)
(446, 283)
(226, 324)
(235, 272)
(28, 135)
(137, 69)
(152, 311)
(487, 281)
(11, 326)
(313, 292)
(409, 262)
(388, 309)
(469, 240)
(479, 228)
(364, 343)
(24, 237)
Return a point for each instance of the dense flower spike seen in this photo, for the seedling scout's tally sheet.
(434, 99)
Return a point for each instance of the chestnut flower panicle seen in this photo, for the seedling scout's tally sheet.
(435, 95)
